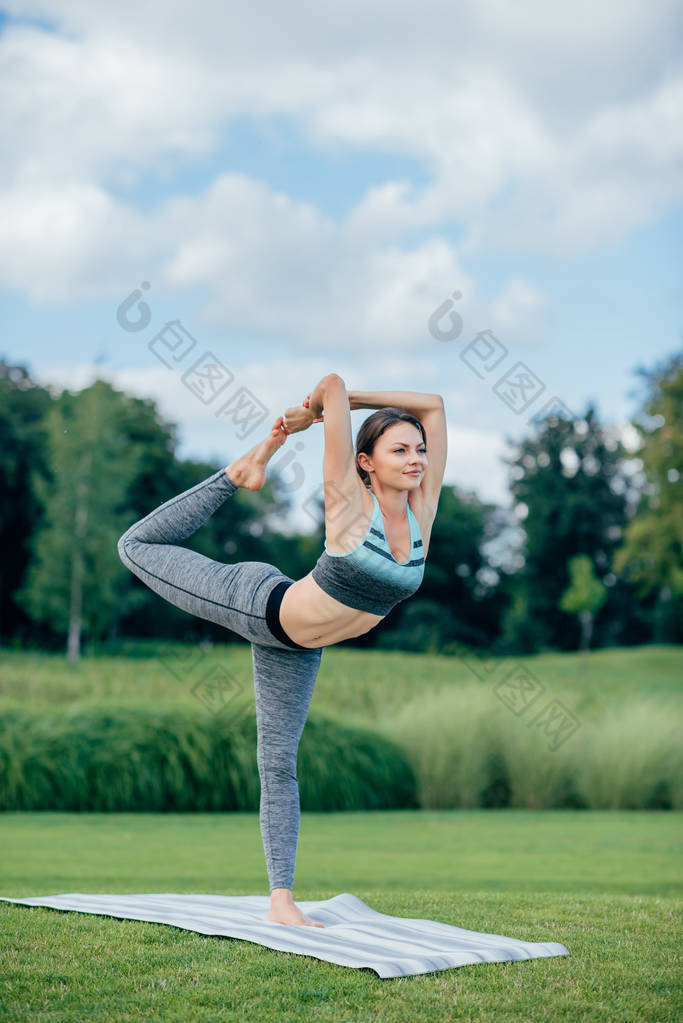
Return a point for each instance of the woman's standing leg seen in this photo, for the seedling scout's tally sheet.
(283, 687)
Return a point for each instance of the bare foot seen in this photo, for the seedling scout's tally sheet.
(287, 912)
(249, 471)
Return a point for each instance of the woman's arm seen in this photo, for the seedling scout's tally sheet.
(411, 401)
(429, 409)
(316, 399)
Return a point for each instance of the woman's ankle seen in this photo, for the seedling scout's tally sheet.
(281, 895)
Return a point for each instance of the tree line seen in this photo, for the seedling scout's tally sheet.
(589, 552)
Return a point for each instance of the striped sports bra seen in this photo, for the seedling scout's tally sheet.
(369, 578)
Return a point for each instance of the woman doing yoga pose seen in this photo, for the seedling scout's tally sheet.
(380, 504)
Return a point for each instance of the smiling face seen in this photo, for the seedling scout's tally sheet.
(398, 452)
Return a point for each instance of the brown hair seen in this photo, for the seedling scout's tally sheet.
(374, 426)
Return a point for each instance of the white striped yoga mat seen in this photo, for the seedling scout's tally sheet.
(354, 934)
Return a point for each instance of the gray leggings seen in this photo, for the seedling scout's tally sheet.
(237, 597)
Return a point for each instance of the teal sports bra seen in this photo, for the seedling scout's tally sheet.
(369, 578)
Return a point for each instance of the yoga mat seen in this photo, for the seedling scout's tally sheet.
(354, 934)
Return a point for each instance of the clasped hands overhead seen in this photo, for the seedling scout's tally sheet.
(300, 417)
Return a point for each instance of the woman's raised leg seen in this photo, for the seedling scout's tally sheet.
(230, 595)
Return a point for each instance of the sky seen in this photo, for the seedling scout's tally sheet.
(214, 207)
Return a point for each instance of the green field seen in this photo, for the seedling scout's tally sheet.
(606, 884)
(362, 686)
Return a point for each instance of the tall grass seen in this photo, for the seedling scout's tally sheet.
(633, 758)
(183, 760)
(447, 738)
(385, 729)
(468, 750)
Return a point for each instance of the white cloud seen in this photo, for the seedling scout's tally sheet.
(546, 130)
(272, 267)
(474, 462)
(475, 91)
(68, 244)
(87, 110)
(518, 310)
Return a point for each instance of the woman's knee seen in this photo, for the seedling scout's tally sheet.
(276, 767)
(276, 762)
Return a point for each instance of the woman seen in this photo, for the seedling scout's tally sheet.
(380, 505)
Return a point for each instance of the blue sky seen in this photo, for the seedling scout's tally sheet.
(303, 194)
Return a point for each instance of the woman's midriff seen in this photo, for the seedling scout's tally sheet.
(313, 618)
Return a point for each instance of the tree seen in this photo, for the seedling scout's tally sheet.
(584, 596)
(71, 581)
(23, 405)
(651, 556)
(569, 487)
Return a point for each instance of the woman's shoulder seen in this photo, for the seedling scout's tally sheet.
(424, 514)
(348, 515)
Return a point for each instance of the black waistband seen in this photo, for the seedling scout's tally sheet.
(273, 614)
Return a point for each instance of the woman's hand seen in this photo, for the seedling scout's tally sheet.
(300, 417)
(307, 404)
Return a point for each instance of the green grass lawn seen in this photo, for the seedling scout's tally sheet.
(606, 885)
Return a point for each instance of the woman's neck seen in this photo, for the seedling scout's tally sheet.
(393, 504)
